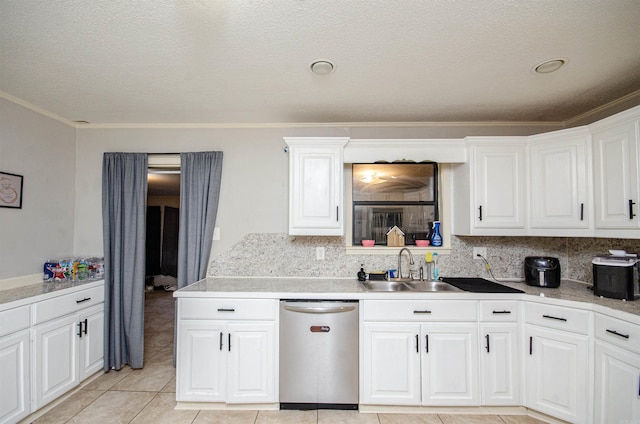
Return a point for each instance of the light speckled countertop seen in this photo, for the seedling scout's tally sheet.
(24, 295)
(570, 293)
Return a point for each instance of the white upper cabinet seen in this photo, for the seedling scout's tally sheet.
(489, 194)
(316, 181)
(560, 181)
(616, 144)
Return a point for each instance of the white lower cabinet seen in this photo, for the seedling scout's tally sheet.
(391, 364)
(450, 364)
(224, 360)
(66, 351)
(499, 352)
(617, 370)
(416, 361)
(617, 385)
(557, 362)
(15, 378)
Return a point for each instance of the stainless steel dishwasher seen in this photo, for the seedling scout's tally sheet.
(318, 354)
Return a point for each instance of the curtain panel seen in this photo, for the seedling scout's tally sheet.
(200, 176)
(124, 198)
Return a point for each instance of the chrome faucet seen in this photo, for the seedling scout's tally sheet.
(400, 262)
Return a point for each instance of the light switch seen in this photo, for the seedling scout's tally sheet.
(216, 233)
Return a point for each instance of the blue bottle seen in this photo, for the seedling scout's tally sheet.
(436, 238)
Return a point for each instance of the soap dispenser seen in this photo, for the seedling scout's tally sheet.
(362, 276)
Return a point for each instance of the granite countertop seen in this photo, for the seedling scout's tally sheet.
(577, 293)
(19, 296)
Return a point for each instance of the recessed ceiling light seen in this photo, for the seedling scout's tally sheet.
(321, 67)
(549, 66)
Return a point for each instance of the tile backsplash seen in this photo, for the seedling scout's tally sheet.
(281, 255)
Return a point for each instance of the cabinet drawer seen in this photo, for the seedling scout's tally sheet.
(228, 309)
(67, 304)
(499, 310)
(557, 317)
(15, 319)
(420, 310)
(618, 332)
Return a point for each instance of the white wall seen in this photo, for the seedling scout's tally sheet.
(253, 196)
(43, 151)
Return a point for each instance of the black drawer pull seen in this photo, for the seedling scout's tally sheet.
(501, 312)
(552, 317)
(422, 312)
(631, 214)
(83, 300)
(480, 213)
(226, 310)
(626, 336)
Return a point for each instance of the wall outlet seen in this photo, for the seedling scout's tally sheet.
(320, 253)
(479, 251)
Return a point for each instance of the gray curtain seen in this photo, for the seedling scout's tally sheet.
(200, 175)
(124, 199)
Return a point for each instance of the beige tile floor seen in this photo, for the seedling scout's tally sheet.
(148, 395)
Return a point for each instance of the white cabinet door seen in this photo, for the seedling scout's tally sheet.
(391, 364)
(450, 364)
(201, 361)
(616, 175)
(15, 377)
(91, 341)
(316, 186)
(617, 385)
(251, 363)
(560, 175)
(499, 364)
(56, 358)
(557, 373)
(498, 180)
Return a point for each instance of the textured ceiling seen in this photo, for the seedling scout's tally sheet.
(244, 62)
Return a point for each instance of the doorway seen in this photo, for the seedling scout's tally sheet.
(163, 212)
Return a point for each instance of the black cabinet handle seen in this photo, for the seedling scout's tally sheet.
(417, 344)
(530, 345)
(480, 212)
(581, 211)
(626, 336)
(229, 342)
(631, 214)
(425, 311)
(337, 213)
(501, 312)
(86, 325)
(487, 337)
(79, 329)
(639, 387)
(221, 340)
(426, 343)
(552, 317)
(83, 300)
(226, 310)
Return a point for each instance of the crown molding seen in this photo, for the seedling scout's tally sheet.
(37, 109)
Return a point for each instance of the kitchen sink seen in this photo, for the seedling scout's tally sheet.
(404, 284)
(385, 286)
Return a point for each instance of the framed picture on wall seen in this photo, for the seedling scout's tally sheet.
(10, 190)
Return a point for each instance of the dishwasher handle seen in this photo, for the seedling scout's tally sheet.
(319, 309)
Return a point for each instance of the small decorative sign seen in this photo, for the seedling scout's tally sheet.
(10, 190)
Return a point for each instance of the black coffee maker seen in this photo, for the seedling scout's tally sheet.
(542, 271)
